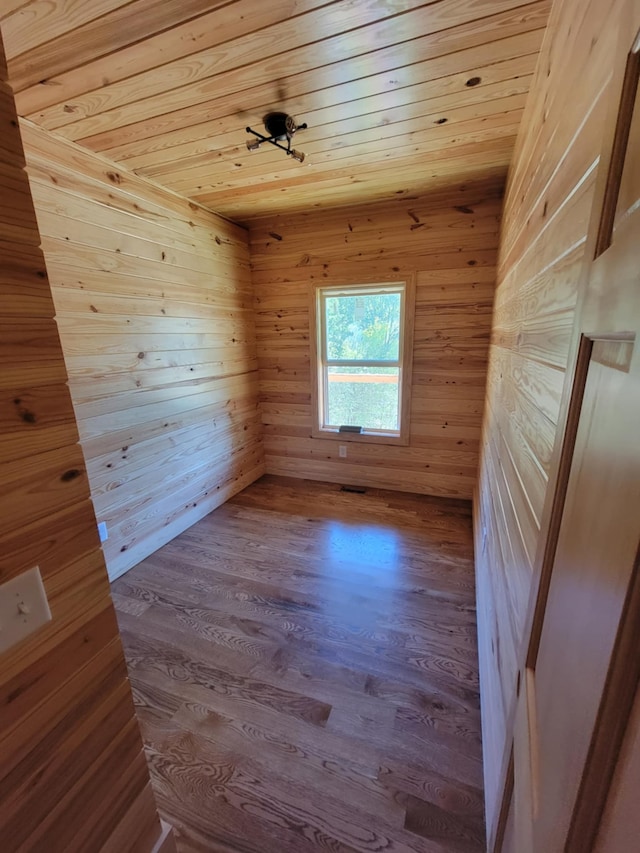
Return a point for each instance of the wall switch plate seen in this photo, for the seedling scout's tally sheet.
(342, 451)
(102, 531)
(23, 607)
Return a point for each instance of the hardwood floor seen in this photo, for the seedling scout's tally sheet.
(304, 667)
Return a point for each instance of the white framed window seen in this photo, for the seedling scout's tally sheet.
(362, 351)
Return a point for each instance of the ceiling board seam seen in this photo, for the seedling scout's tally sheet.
(111, 12)
(491, 113)
(78, 123)
(248, 65)
(5, 15)
(17, 56)
(280, 22)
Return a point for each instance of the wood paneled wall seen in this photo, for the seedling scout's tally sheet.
(73, 775)
(154, 305)
(448, 243)
(547, 209)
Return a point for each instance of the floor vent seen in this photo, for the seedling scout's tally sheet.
(356, 490)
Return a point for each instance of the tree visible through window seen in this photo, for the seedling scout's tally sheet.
(360, 357)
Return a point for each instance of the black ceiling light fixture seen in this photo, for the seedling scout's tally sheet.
(280, 127)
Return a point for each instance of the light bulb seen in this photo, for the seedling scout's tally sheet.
(253, 144)
(297, 155)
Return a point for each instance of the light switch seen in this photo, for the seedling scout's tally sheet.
(23, 607)
(342, 451)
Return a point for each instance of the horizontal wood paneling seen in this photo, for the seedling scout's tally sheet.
(72, 759)
(154, 306)
(546, 216)
(168, 89)
(448, 243)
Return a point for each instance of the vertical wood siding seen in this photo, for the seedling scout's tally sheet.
(154, 305)
(72, 772)
(448, 243)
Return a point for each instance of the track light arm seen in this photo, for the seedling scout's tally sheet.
(273, 140)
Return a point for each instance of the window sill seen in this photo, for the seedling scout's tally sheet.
(362, 437)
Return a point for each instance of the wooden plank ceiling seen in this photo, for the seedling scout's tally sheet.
(401, 96)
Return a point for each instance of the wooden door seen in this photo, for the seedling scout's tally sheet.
(575, 695)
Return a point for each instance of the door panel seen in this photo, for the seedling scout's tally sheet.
(593, 568)
(509, 839)
(620, 828)
(525, 768)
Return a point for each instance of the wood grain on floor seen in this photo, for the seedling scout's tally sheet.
(304, 667)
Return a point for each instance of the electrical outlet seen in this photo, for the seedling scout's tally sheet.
(342, 451)
(23, 607)
(102, 531)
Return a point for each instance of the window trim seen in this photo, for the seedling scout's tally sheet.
(318, 359)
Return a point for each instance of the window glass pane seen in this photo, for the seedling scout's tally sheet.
(363, 327)
(363, 396)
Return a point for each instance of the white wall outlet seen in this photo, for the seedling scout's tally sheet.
(102, 531)
(342, 451)
(23, 607)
